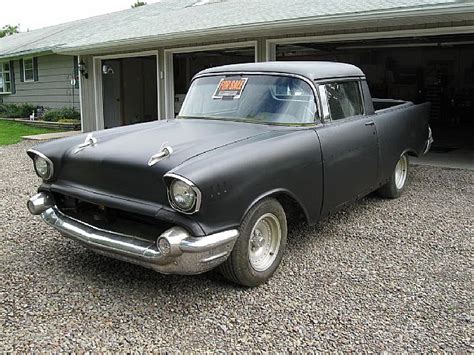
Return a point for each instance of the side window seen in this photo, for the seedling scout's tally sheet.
(29, 69)
(344, 99)
(5, 77)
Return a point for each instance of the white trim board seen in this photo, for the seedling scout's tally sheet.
(79, 75)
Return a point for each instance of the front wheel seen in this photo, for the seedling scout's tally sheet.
(259, 249)
(395, 186)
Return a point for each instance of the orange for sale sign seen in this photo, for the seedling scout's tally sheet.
(230, 88)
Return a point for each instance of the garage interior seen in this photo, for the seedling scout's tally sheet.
(437, 69)
(129, 91)
(186, 65)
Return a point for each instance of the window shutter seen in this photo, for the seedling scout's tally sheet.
(22, 73)
(12, 77)
(35, 68)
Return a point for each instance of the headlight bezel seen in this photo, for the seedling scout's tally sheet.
(170, 178)
(38, 155)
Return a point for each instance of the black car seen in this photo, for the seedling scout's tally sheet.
(254, 145)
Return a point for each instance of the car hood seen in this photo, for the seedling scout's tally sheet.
(118, 163)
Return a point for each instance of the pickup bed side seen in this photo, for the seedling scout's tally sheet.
(400, 129)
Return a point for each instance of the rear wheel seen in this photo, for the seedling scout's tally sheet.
(259, 249)
(395, 186)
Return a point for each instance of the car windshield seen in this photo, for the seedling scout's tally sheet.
(267, 99)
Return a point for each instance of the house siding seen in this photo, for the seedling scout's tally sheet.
(53, 88)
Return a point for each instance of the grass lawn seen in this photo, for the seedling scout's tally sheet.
(11, 132)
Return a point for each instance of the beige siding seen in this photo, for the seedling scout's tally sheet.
(53, 88)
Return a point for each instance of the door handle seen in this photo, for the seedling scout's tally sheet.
(370, 123)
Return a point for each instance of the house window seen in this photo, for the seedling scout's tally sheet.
(5, 78)
(29, 69)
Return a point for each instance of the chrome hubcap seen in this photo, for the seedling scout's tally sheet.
(401, 172)
(264, 242)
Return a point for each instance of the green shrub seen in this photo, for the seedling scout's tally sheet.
(65, 113)
(17, 110)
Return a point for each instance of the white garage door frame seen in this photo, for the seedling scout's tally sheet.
(98, 89)
(168, 66)
(271, 44)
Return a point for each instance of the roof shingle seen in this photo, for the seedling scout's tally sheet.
(187, 17)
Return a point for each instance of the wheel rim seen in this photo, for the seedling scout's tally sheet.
(264, 242)
(401, 172)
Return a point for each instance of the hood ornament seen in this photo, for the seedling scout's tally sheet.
(89, 141)
(165, 151)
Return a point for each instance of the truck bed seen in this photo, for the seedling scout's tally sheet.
(385, 104)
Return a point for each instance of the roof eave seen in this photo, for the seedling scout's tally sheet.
(445, 9)
(18, 55)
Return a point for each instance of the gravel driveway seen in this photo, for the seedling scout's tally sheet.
(379, 275)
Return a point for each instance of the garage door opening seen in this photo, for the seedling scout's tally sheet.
(437, 69)
(129, 91)
(186, 65)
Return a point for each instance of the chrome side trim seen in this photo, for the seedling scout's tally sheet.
(50, 163)
(197, 207)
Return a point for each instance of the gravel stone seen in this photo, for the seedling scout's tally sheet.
(380, 275)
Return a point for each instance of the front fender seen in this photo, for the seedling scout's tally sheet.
(233, 178)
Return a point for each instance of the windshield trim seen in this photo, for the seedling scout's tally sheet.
(280, 124)
(311, 84)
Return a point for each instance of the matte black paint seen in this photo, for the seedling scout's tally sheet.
(236, 164)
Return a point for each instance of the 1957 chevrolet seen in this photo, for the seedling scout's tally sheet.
(254, 145)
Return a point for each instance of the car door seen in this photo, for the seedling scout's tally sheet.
(348, 143)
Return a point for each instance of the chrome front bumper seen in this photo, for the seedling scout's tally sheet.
(179, 252)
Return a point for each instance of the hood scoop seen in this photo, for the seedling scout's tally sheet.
(165, 151)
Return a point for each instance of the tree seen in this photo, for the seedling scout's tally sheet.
(138, 3)
(8, 30)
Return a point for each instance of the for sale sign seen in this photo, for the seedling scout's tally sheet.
(230, 88)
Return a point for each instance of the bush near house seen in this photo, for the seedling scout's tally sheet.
(16, 110)
(65, 114)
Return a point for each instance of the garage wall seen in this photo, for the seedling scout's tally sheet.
(52, 89)
(265, 50)
(88, 112)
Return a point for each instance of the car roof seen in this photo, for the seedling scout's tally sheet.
(314, 70)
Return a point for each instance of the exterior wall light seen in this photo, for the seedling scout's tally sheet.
(83, 69)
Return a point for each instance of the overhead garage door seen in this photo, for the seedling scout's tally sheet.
(437, 69)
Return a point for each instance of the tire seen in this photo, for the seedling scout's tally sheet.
(259, 249)
(396, 185)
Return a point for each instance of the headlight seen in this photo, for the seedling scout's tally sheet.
(43, 167)
(183, 195)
